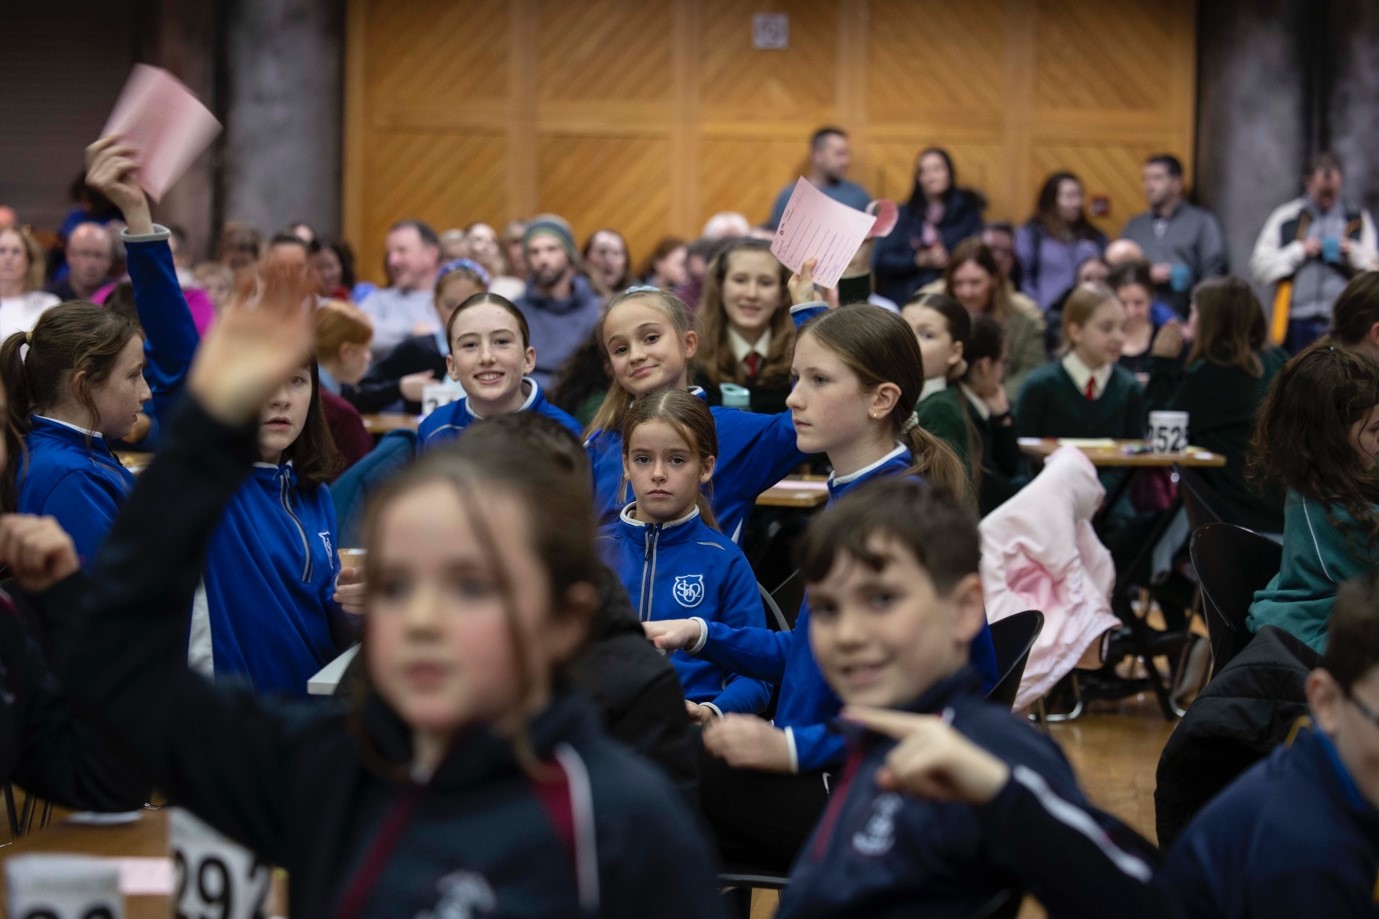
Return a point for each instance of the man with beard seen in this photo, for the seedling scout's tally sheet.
(560, 305)
(829, 158)
(1182, 243)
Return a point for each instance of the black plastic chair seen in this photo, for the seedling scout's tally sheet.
(1232, 563)
(1200, 500)
(1014, 638)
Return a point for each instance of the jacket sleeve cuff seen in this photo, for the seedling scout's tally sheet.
(703, 637)
(794, 752)
(718, 712)
(159, 232)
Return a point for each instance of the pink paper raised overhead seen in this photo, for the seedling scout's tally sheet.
(166, 125)
(816, 226)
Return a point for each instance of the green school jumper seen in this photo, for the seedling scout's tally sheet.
(1319, 553)
(1222, 403)
(942, 415)
(1051, 405)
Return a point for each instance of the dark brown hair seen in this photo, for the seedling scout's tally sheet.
(935, 528)
(690, 417)
(314, 454)
(1230, 325)
(975, 251)
(557, 520)
(667, 245)
(877, 346)
(1352, 633)
(716, 358)
(1046, 210)
(497, 300)
(1302, 433)
(71, 337)
(959, 323)
(1357, 309)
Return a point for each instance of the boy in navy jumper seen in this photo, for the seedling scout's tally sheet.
(1298, 833)
(972, 805)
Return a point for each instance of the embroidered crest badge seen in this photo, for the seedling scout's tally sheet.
(689, 590)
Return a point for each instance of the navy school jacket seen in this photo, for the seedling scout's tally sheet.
(754, 452)
(807, 703)
(1293, 836)
(672, 570)
(326, 794)
(877, 854)
(450, 420)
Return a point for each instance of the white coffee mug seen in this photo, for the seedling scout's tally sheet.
(62, 887)
(437, 394)
(213, 875)
(1167, 432)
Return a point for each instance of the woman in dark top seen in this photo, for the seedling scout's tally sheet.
(1228, 372)
(938, 216)
(1134, 288)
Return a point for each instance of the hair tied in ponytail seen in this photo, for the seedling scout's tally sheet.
(910, 423)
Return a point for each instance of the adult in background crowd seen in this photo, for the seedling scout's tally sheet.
(1310, 248)
(559, 304)
(937, 217)
(1182, 243)
(485, 249)
(999, 237)
(405, 308)
(90, 256)
(9, 220)
(1057, 239)
(607, 262)
(514, 248)
(666, 266)
(830, 155)
(22, 297)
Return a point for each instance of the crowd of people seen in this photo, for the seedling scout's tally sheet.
(580, 496)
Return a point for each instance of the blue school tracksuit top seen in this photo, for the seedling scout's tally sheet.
(269, 578)
(450, 420)
(684, 568)
(806, 703)
(81, 486)
(754, 453)
(1292, 836)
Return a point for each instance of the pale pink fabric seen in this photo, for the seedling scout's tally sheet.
(1039, 552)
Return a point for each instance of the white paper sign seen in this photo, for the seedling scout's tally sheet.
(816, 226)
(213, 876)
(62, 887)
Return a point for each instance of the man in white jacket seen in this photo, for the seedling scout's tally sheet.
(1310, 248)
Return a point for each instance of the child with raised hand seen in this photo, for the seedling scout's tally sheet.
(971, 804)
(942, 327)
(745, 317)
(670, 555)
(648, 338)
(1295, 834)
(461, 767)
(858, 379)
(1085, 393)
(491, 357)
(1318, 436)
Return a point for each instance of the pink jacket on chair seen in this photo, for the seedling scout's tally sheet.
(1039, 552)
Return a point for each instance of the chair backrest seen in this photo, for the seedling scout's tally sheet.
(1199, 499)
(778, 620)
(1232, 563)
(1014, 638)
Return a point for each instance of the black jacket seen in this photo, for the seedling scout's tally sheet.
(309, 786)
(379, 390)
(1246, 710)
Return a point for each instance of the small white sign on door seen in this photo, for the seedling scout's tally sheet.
(771, 31)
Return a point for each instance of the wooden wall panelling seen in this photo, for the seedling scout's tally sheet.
(650, 116)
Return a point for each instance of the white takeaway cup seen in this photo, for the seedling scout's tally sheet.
(43, 886)
(212, 875)
(1167, 432)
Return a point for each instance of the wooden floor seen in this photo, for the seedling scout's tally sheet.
(1115, 749)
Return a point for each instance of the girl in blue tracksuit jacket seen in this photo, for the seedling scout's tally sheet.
(859, 374)
(647, 337)
(462, 779)
(971, 805)
(668, 554)
(490, 357)
(266, 612)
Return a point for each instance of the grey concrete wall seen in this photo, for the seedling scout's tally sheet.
(1351, 123)
(284, 105)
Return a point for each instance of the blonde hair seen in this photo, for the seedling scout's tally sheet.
(617, 400)
(37, 268)
(338, 323)
(1082, 305)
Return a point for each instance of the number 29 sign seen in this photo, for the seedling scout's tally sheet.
(213, 877)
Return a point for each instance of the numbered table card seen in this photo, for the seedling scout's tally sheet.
(214, 876)
(815, 226)
(62, 887)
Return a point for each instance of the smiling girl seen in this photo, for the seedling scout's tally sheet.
(748, 335)
(649, 341)
(1318, 436)
(461, 776)
(669, 553)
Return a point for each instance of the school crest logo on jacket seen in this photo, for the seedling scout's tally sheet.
(877, 837)
(688, 590)
(464, 895)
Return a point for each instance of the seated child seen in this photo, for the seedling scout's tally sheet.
(1318, 435)
(971, 803)
(1002, 471)
(669, 554)
(942, 327)
(1296, 834)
